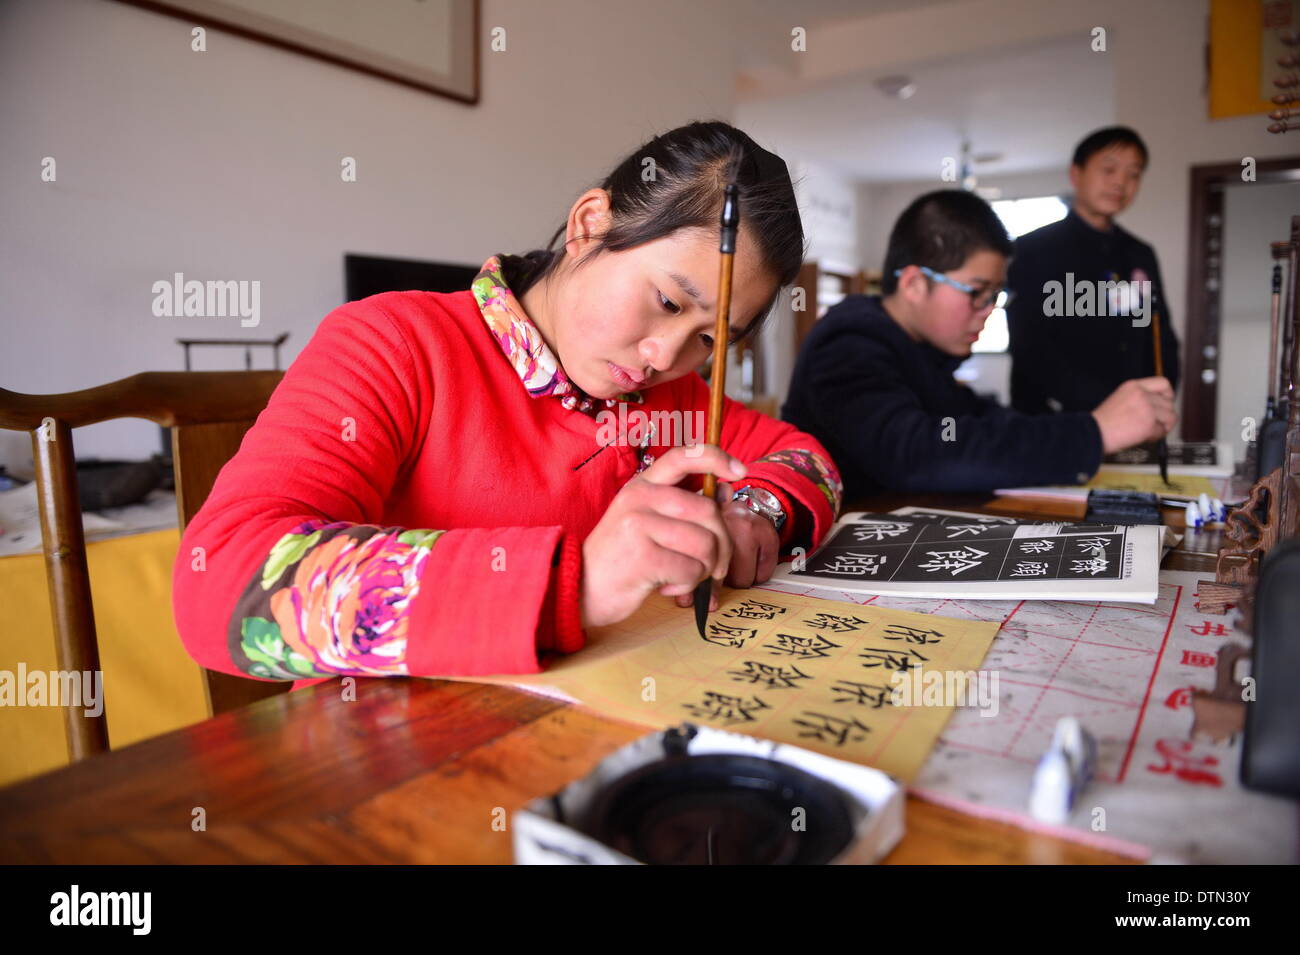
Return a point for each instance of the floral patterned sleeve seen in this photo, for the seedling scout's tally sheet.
(330, 598)
(817, 468)
(341, 598)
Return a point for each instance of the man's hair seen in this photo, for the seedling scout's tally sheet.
(942, 230)
(1101, 139)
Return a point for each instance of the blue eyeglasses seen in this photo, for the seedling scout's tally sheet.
(980, 298)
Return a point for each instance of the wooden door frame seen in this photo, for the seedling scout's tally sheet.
(1205, 282)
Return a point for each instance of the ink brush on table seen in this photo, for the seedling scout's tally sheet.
(718, 376)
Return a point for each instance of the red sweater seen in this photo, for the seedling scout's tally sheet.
(414, 497)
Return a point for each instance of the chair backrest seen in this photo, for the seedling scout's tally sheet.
(208, 412)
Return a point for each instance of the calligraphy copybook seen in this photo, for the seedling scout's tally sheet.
(864, 684)
(949, 555)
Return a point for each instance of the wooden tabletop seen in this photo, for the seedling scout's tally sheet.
(413, 770)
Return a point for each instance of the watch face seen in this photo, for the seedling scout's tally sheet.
(764, 497)
(765, 503)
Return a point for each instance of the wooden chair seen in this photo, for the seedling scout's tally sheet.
(208, 412)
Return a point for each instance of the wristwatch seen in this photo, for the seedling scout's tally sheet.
(762, 502)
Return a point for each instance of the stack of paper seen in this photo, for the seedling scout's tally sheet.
(1184, 487)
(1207, 458)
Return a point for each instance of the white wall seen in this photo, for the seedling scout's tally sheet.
(829, 208)
(226, 165)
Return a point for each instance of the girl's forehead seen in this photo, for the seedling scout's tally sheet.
(695, 255)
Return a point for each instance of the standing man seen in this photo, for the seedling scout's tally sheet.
(1080, 317)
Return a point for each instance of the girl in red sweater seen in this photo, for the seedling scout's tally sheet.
(447, 484)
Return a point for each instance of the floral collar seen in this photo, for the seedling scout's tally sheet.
(523, 345)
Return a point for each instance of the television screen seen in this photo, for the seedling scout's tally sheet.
(366, 275)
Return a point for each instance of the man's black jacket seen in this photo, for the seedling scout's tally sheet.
(1070, 362)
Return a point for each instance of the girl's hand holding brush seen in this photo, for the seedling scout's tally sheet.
(655, 536)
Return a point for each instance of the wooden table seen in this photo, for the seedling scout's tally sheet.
(411, 771)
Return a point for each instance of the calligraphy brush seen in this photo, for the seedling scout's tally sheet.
(718, 376)
(1162, 447)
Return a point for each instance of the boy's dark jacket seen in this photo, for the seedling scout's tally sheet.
(889, 411)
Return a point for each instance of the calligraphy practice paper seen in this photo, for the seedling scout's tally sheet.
(1164, 790)
(797, 669)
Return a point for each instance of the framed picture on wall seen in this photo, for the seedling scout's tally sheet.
(432, 45)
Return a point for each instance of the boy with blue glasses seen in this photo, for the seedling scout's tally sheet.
(874, 378)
